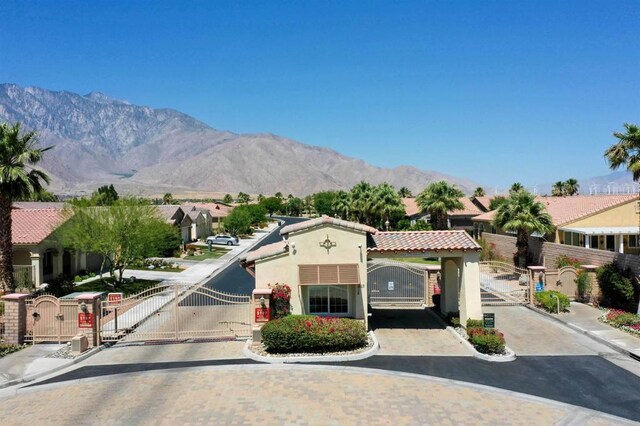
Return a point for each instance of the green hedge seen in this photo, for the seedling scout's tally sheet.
(619, 289)
(307, 333)
(8, 348)
(549, 303)
(487, 341)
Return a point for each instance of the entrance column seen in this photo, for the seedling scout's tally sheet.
(470, 303)
(449, 290)
(37, 268)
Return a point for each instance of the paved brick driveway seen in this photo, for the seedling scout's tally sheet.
(282, 394)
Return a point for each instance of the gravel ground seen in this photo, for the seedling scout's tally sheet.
(63, 353)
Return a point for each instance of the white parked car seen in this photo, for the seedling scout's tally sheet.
(225, 240)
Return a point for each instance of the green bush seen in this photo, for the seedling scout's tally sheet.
(487, 341)
(583, 282)
(473, 323)
(627, 319)
(549, 300)
(618, 289)
(453, 318)
(307, 333)
(7, 348)
(563, 261)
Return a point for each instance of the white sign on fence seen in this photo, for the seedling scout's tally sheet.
(390, 286)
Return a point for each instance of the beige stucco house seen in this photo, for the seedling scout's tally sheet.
(324, 261)
(603, 222)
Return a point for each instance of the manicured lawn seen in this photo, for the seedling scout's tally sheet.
(156, 269)
(215, 253)
(127, 287)
(418, 260)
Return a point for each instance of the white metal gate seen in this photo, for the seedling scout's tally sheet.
(503, 284)
(391, 283)
(177, 311)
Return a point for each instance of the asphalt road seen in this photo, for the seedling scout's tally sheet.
(234, 279)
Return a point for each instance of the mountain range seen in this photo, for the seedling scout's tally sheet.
(99, 140)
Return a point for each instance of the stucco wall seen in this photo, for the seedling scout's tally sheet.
(624, 215)
(305, 249)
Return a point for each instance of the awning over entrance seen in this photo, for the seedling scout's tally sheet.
(329, 274)
(420, 241)
(604, 230)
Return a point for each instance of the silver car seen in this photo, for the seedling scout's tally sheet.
(225, 240)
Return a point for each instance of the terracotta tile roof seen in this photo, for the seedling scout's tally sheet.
(38, 205)
(326, 220)
(266, 251)
(421, 241)
(32, 226)
(564, 210)
(484, 201)
(411, 208)
(215, 209)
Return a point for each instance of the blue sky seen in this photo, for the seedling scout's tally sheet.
(495, 91)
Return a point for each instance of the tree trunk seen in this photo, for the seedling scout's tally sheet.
(522, 245)
(7, 282)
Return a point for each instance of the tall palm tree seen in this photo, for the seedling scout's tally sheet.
(438, 199)
(626, 152)
(386, 205)
(479, 192)
(405, 192)
(361, 197)
(18, 179)
(524, 215)
(558, 189)
(342, 204)
(516, 187)
(571, 187)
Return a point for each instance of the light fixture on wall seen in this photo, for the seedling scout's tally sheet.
(83, 307)
(386, 224)
(293, 247)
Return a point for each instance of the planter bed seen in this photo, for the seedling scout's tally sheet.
(625, 321)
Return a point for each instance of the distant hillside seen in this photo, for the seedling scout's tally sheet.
(100, 140)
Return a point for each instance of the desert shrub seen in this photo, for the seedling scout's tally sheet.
(474, 323)
(8, 348)
(488, 251)
(307, 333)
(618, 289)
(453, 319)
(549, 300)
(487, 341)
(583, 282)
(280, 300)
(193, 247)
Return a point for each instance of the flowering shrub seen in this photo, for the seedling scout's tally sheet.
(280, 300)
(563, 260)
(307, 333)
(487, 341)
(622, 320)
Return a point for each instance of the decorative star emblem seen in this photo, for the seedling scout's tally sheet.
(327, 243)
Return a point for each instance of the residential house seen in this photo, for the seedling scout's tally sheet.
(458, 219)
(39, 257)
(175, 215)
(604, 222)
(201, 222)
(218, 212)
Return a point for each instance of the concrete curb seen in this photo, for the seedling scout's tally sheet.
(304, 359)
(32, 377)
(587, 333)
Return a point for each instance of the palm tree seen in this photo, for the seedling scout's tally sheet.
(516, 187)
(571, 187)
(405, 192)
(361, 196)
(558, 189)
(523, 214)
(386, 205)
(438, 199)
(167, 198)
(342, 204)
(626, 152)
(479, 192)
(18, 179)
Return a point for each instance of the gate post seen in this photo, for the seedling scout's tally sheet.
(88, 317)
(15, 318)
(533, 271)
(261, 311)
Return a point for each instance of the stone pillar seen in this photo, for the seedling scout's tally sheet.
(431, 280)
(470, 303)
(88, 317)
(593, 278)
(450, 286)
(37, 268)
(534, 273)
(15, 318)
(621, 243)
(261, 311)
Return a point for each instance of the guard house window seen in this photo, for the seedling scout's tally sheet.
(332, 299)
(594, 242)
(633, 241)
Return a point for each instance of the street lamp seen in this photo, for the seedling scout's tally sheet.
(386, 224)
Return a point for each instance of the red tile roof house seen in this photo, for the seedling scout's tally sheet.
(604, 222)
(458, 219)
(177, 216)
(218, 212)
(201, 221)
(37, 255)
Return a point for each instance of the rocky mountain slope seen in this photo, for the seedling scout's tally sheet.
(100, 140)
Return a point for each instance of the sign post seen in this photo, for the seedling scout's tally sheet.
(114, 299)
(489, 320)
(85, 320)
